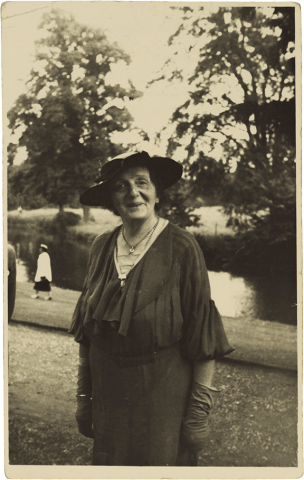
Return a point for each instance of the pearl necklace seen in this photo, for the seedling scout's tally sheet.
(132, 247)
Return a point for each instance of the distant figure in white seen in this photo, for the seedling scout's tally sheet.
(20, 209)
(43, 276)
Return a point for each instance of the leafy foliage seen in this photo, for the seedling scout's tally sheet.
(58, 224)
(70, 111)
(177, 208)
(238, 126)
(19, 192)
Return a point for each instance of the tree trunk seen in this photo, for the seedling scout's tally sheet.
(86, 213)
(61, 208)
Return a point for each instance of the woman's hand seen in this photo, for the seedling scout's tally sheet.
(84, 416)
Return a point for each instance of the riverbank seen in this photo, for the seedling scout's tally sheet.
(258, 342)
(213, 221)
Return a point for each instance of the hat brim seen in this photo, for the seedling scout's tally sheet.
(167, 170)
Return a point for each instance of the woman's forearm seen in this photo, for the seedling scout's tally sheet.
(84, 383)
(84, 394)
(196, 424)
(203, 372)
(83, 355)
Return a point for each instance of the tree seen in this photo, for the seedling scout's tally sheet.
(241, 110)
(176, 208)
(70, 111)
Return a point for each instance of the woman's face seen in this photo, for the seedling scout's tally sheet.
(134, 194)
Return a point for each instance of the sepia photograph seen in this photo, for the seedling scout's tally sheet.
(152, 239)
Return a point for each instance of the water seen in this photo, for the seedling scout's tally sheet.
(266, 298)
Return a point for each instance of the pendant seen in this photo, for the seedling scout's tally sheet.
(131, 250)
(122, 277)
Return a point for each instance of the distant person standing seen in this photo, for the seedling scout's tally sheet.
(20, 209)
(11, 280)
(43, 276)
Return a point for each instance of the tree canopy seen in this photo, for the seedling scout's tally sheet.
(70, 111)
(238, 126)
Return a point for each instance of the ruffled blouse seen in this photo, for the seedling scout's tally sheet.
(166, 299)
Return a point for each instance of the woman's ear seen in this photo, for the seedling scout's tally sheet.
(157, 200)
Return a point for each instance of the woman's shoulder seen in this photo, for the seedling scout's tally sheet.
(182, 239)
(186, 250)
(102, 239)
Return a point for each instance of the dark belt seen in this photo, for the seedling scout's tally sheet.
(142, 359)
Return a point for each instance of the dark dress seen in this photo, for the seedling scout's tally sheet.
(143, 340)
(43, 286)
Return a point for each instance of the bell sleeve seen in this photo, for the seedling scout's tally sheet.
(204, 336)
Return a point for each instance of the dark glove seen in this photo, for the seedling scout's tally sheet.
(196, 423)
(84, 400)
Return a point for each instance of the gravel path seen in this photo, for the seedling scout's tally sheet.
(254, 421)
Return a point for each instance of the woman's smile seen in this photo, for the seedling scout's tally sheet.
(134, 205)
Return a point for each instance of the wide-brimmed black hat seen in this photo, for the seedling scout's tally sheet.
(166, 169)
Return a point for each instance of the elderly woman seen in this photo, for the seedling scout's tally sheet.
(148, 330)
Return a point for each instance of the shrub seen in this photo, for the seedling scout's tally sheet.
(58, 224)
(67, 219)
(219, 251)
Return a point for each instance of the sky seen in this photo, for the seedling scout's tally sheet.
(142, 29)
